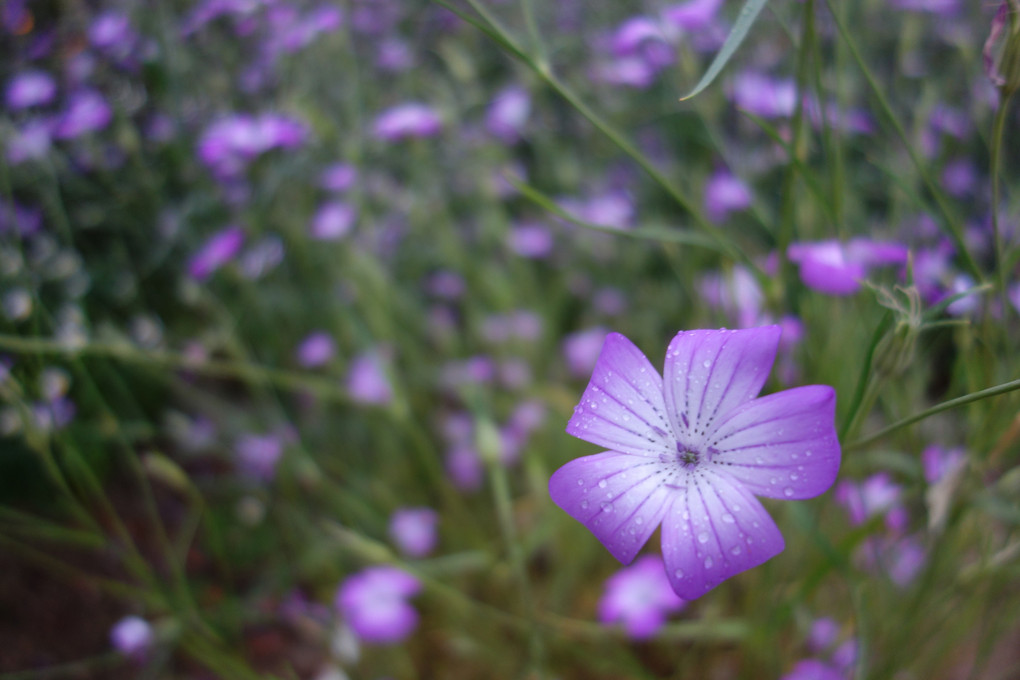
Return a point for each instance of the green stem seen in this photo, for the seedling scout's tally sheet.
(1004, 388)
(952, 222)
(998, 134)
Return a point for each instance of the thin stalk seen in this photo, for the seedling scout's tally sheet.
(504, 510)
(500, 35)
(952, 222)
(995, 162)
(1004, 388)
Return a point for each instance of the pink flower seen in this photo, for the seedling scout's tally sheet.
(691, 452)
(640, 598)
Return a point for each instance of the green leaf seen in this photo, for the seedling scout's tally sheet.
(743, 24)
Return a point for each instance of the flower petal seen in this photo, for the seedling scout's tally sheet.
(617, 496)
(708, 373)
(715, 529)
(622, 407)
(783, 445)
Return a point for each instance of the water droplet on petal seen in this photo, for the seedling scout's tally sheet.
(794, 476)
(788, 492)
(703, 537)
(602, 483)
(735, 550)
(686, 515)
(736, 508)
(679, 573)
(639, 521)
(584, 505)
(728, 518)
(807, 453)
(580, 482)
(708, 563)
(706, 363)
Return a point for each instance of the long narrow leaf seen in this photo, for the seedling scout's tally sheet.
(745, 19)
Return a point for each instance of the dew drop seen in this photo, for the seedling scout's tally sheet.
(772, 480)
(639, 521)
(736, 508)
(706, 363)
(580, 482)
(607, 507)
(584, 505)
(679, 573)
(708, 563)
(703, 537)
(728, 518)
(735, 550)
(794, 476)
(602, 483)
(788, 492)
(807, 454)
(686, 515)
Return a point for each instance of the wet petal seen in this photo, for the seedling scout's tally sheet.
(617, 496)
(622, 408)
(715, 529)
(783, 445)
(709, 373)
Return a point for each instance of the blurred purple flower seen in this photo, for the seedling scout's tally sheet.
(737, 294)
(30, 88)
(87, 111)
(813, 669)
(30, 143)
(446, 284)
(836, 269)
(216, 252)
(374, 603)
(959, 177)
(581, 350)
(464, 467)
(316, 349)
(693, 451)
(367, 382)
(407, 121)
(763, 95)
(332, 221)
(939, 463)
(610, 301)
(414, 530)
(611, 209)
(692, 16)
(338, 177)
(640, 598)
(132, 636)
(257, 455)
(905, 558)
(229, 144)
(22, 220)
(508, 113)
(824, 632)
(111, 34)
(15, 16)
(877, 495)
(530, 240)
(394, 55)
(725, 193)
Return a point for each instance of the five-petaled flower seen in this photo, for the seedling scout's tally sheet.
(692, 451)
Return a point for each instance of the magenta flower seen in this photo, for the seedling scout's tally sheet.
(374, 603)
(406, 121)
(838, 269)
(414, 530)
(316, 349)
(692, 451)
(640, 598)
(30, 88)
(132, 636)
(367, 382)
(813, 669)
(216, 252)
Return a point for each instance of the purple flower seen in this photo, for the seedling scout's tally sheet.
(530, 240)
(333, 220)
(30, 88)
(693, 15)
(374, 603)
(316, 349)
(640, 598)
(837, 269)
(725, 193)
(508, 113)
(338, 177)
(217, 251)
(132, 636)
(406, 121)
(877, 495)
(87, 111)
(581, 349)
(367, 382)
(414, 530)
(813, 669)
(691, 452)
(257, 455)
(763, 95)
(229, 144)
(939, 463)
(31, 142)
(824, 632)
(464, 466)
